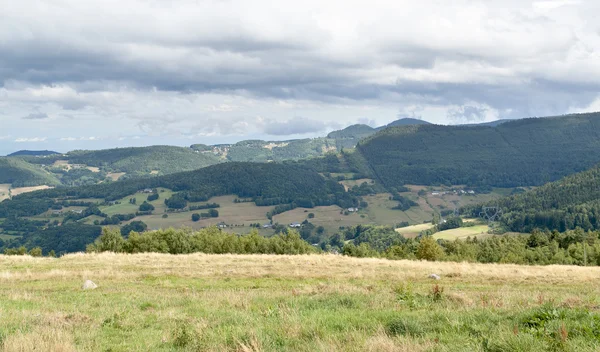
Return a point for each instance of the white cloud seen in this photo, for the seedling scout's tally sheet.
(33, 139)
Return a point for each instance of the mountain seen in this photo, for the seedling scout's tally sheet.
(349, 136)
(268, 151)
(33, 153)
(573, 201)
(20, 173)
(527, 152)
(405, 122)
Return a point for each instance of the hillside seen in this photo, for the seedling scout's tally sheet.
(263, 182)
(573, 201)
(144, 160)
(200, 302)
(20, 173)
(516, 153)
(33, 153)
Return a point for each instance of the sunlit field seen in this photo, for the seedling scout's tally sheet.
(157, 302)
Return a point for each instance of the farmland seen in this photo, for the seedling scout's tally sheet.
(158, 302)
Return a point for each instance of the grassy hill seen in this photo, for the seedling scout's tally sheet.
(160, 302)
(515, 153)
(20, 173)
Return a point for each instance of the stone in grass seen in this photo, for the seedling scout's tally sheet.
(89, 285)
(434, 276)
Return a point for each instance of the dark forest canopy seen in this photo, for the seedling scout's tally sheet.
(528, 152)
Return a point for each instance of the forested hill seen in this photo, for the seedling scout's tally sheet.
(571, 202)
(162, 159)
(516, 153)
(33, 153)
(265, 183)
(19, 173)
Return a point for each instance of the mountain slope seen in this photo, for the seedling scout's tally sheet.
(565, 204)
(265, 183)
(515, 153)
(20, 173)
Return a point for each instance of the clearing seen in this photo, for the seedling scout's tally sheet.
(198, 302)
(21, 190)
(463, 232)
(115, 175)
(414, 230)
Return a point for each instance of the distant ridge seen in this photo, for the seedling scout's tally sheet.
(407, 121)
(33, 153)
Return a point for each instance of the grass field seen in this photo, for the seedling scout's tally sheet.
(231, 213)
(414, 230)
(463, 232)
(115, 175)
(153, 302)
(21, 190)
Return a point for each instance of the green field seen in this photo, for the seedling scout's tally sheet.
(155, 302)
(230, 213)
(463, 232)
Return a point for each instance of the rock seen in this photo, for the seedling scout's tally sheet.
(89, 285)
(434, 276)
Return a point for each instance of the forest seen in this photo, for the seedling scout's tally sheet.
(527, 152)
(571, 202)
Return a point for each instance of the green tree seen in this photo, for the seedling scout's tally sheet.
(195, 217)
(35, 252)
(109, 241)
(429, 249)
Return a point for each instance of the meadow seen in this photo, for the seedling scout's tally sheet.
(198, 302)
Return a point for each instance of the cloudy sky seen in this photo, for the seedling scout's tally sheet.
(98, 74)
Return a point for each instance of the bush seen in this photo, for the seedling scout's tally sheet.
(146, 207)
(195, 217)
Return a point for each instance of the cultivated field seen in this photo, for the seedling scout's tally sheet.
(152, 302)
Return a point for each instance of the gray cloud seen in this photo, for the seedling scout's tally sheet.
(296, 125)
(162, 69)
(36, 116)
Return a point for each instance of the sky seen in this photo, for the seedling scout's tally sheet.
(100, 74)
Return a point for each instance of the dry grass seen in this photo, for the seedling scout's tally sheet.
(480, 231)
(21, 190)
(414, 230)
(115, 175)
